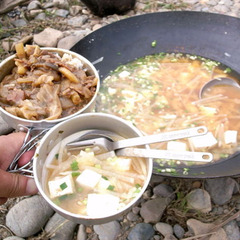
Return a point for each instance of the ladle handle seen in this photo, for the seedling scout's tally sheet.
(161, 137)
(165, 154)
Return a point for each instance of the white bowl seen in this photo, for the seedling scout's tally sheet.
(62, 130)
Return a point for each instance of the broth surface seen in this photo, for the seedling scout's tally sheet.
(160, 93)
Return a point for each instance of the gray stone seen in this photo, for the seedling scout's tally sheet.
(153, 210)
(60, 228)
(220, 189)
(132, 217)
(68, 42)
(61, 13)
(164, 190)
(108, 231)
(33, 5)
(19, 23)
(199, 199)
(198, 227)
(75, 10)
(142, 231)
(232, 230)
(169, 237)
(41, 16)
(164, 228)
(61, 4)
(220, 234)
(81, 234)
(35, 12)
(28, 216)
(8, 5)
(178, 231)
(49, 37)
(77, 21)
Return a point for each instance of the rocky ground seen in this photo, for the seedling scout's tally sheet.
(171, 208)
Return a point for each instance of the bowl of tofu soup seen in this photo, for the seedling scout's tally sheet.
(44, 86)
(86, 185)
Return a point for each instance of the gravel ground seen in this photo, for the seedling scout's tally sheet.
(23, 24)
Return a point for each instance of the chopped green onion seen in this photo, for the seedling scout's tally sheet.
(110, 187)
(63, 186)
(56, 155)
(75, 174)
(137, 185)
(154, 43)
(97, 166)
(104, 177)
(74, 166)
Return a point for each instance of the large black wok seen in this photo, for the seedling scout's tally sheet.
(209, 35)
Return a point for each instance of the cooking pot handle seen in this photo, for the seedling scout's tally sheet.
(33, 136)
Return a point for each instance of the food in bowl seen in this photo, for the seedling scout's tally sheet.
(70, 130)
(46, 84)
(160, 93)
(96, 185)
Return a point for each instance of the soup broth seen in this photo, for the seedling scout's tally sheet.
(160, 93)
(95, 185)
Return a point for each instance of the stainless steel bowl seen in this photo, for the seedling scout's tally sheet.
(14, 121)
(62, 130)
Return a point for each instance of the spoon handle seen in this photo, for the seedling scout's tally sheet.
(165, 154)
(161, 137)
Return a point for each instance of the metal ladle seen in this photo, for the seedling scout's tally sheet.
(218, 81)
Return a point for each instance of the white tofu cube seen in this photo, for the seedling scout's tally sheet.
(61, 186)
(88, 179)
(230, 136)
(207, 140)
(100, 205)
(103, 185)
(124, 164)
(176, 146)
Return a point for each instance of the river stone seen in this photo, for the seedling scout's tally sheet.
(169, 237)
(60, 228)
(49, 37)
(199, 199)
(81, 234)
(220, 189)
(153, 210)
(220, 234)
(164, 190)
(28, 216)
(232, 230)
(108, 231)
(164, 228)
(198, 227)
(178, 231)
(142, 231)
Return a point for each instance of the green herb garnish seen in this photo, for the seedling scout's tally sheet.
(56, 155)
(79, 189)
(154, 43)
(74, 166)
(75, 174)
(110, 188)
(137, 185)
(104, 177)
(63, 186)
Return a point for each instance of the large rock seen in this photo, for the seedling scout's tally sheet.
(8, 5)
(28, 216)
(153, 210)
(49, 37)
(60, 228)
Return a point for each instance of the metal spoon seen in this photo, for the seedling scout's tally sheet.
(218, 81)
(105, 140)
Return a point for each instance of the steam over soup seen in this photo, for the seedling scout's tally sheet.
(160, 93)
(82, 182)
